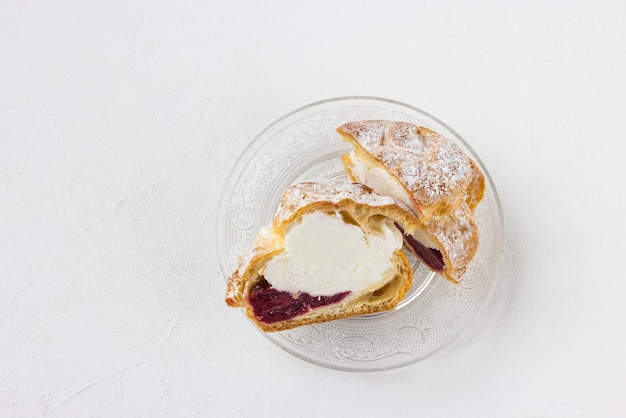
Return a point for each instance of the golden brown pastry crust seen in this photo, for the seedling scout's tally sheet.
(444, 184)
(436, 172)
(359, 202)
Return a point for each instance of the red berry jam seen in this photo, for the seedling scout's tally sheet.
(271, 305)
(431, 256)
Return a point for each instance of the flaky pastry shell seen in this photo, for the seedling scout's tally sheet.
(358, 204)
(444, 185)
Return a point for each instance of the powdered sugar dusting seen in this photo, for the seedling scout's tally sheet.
(455, 232)
(433, 169)
(444, 184)
(370, 134)
(300, 195)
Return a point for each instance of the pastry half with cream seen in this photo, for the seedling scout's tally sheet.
(333, 250)
(428, 173)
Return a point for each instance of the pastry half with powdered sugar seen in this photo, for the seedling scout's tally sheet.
(428, 173)
(333, 250)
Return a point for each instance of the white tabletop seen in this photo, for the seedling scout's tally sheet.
(120, 121)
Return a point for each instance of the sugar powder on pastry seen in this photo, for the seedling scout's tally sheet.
(428, 173)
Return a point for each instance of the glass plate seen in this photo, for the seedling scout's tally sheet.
(303, 145)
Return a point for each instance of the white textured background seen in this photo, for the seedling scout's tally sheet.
(120, 120)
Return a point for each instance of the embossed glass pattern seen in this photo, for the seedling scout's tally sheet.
(304, 145)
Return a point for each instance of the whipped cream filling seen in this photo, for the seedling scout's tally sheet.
(379, 179)
(384, 183)
(324, 255)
